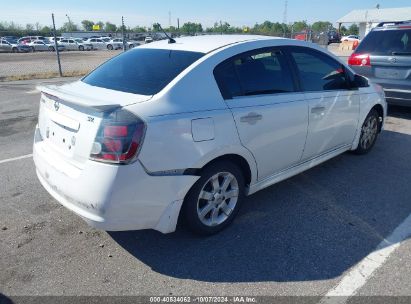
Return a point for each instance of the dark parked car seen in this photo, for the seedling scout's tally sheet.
(384, 56)
(333, 37)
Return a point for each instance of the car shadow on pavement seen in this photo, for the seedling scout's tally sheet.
(313, 226)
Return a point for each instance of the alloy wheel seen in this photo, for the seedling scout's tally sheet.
(218, 198)
(369, 132)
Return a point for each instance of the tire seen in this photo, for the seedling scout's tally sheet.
(32, 49)
(369, 133)
(81, 48)
(51, 49)
(209, 196)
(110, 47)
(14, 50)
(131, 46)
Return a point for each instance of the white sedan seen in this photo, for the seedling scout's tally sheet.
(76, 44)
(188, 129)
(350, 38)
(42, 45)
(129, 43)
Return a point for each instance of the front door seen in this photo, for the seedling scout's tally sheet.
(333, 106)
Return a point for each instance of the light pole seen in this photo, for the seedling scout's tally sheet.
(70, 28)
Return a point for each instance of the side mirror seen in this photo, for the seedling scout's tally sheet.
(360, 81)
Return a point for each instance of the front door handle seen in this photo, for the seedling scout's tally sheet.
(317, 110)
(251, 118)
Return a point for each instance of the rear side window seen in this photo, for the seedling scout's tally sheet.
(254, 73)
(387, 43)
(318, 71)
(141, 71)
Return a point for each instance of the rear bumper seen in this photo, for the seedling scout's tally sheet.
(112, 198)
(399, 97)
(397, 92)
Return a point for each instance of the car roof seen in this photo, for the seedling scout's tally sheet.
(205, 43)
(388, 25)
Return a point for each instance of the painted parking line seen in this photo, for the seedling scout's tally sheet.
(15, 158)
(35, 91)
(362, 272)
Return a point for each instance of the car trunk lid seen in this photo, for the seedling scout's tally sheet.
(396, 67)
(70, 116)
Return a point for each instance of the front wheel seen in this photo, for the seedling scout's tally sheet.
(51, 49)
(32, 49)
(81, 48)
(110, 47)
(369, 133)
(215, 199)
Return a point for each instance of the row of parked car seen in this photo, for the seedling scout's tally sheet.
(40, 43)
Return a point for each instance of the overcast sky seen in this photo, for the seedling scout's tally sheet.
(146, 12)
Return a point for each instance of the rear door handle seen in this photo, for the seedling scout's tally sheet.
(317, 110)
(251, 118)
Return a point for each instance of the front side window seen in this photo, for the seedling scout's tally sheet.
(254, 73)
(318, 71)
(141, 71)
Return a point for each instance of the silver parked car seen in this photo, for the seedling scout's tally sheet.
(129, 43)
(7, 46)
(44, 45)
(97, 43)
(384, 56)
(76, 44)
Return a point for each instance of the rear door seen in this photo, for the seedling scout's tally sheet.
(72, 45)
(270, 115)
(333, 106)
(40, 46)
(100, 44)
(3, 46)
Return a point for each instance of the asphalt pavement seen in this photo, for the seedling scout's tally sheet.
(300, 237)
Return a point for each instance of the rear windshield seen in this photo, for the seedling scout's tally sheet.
(141, 71)
(387, 43)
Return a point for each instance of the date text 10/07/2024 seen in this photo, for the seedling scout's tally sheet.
(185, 299)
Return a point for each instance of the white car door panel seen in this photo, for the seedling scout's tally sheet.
(271, 118)
(333, 120)
(333, 106)
(274, 129)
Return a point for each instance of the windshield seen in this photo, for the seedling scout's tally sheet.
(141, 71)
(387, 43)
(79, 40)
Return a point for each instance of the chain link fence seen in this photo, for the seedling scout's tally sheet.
(42, 62)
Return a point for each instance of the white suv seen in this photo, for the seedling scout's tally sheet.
(187, 129)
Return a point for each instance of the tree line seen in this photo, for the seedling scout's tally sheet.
(188, 28)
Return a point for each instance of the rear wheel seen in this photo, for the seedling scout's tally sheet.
(131, 46)
(81, 48)
(369, 133)
(32, 49)
(214, 200)
(51, 49)
(14, 50)
(110, 47)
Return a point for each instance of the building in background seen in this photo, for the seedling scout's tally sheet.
(369, 18)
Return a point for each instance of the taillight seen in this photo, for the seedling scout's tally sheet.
(359, 59)
(119, 138)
